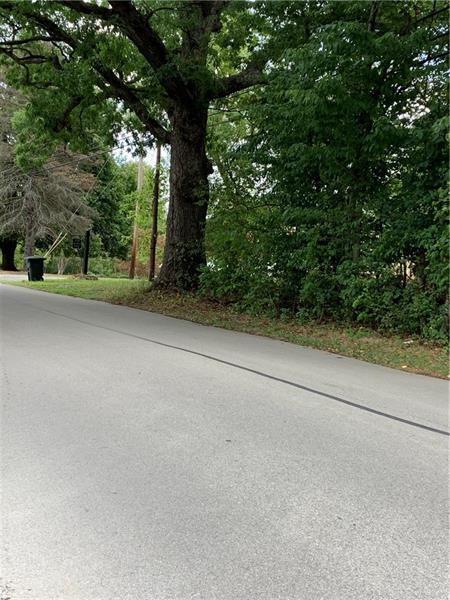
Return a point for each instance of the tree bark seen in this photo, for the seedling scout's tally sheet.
(8, 247)
(30, 232)
(184, 253)
(187, 84)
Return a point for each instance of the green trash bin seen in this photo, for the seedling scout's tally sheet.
(35, 266)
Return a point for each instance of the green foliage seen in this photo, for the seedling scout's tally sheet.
(109, 198)
(143, 198)
(329, 196)
(113, 198)
(330, 201)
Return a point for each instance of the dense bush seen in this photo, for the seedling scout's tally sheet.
(330, 199)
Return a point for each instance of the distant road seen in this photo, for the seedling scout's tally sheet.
(6, 276)
(149, 458)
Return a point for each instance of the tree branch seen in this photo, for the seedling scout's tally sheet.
(30, 59)
(433, 57)
(135, 26)
(432, 14)
(87, 9)
(212, 10)
(37, 38)
(63, 121)
(119, 89)
(139, 31)
(374, 8)
(250, 76)
(56, 32)
(132, 100)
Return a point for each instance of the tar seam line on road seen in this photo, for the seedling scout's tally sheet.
(254, 371)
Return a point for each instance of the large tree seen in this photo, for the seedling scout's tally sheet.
(44, 198)
(332, 197)
(161, 64)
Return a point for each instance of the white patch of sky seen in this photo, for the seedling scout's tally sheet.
(126, 154)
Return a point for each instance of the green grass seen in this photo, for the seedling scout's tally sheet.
(100, 289)
(405, 353)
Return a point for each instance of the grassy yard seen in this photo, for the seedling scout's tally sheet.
(98, 289)
(406, 353)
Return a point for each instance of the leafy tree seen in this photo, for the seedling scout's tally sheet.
(143, 198)
(328, 192)
(334, 207)
(153, 66)
(112, 223)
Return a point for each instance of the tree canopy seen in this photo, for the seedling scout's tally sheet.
(332, 193)
(163, 62)
(307, 139)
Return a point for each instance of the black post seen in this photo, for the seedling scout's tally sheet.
(87, 239)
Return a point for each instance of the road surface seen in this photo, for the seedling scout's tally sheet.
(149, 458)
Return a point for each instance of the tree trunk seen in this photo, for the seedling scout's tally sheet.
(8, 247)
(62, 263)
(30, 232)
(184, 252)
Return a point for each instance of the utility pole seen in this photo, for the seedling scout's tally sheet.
(87, 241)
(154, 232)
(134, 246)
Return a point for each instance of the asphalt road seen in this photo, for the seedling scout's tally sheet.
(149, 458)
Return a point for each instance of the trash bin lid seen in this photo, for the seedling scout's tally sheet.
(35, 257)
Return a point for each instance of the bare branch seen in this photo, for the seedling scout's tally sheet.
(42, 198)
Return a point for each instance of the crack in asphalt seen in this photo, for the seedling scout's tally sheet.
(255, 372)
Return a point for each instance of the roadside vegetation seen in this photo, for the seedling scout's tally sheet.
(399, 352)
(302, 191)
